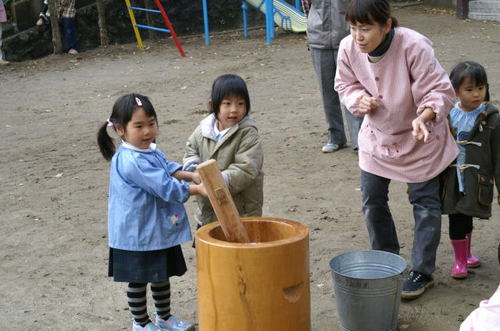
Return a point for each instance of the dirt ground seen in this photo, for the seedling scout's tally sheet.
(54, 181)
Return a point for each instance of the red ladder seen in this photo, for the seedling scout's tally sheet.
(161, 10)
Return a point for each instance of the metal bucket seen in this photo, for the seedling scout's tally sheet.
(367, 289)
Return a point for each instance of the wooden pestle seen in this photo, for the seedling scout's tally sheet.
(222, 202)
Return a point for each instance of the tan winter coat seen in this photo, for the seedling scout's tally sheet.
(240, 158)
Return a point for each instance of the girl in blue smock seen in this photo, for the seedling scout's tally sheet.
(147, 221)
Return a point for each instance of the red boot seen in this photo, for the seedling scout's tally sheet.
(472, 261)
(460, 268)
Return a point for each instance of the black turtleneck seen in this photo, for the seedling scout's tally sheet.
(384, 45)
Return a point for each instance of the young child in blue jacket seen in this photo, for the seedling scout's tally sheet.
(147, 221)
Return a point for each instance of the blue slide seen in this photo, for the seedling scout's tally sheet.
(286, 16)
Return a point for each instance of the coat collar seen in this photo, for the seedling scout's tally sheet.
(152, 147)
(207, 127)
(207, 130)
(482, 119)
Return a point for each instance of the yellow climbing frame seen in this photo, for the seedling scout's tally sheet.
(134, 23)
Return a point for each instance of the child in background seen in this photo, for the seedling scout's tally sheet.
(468, 184)
(147, 221)
(67, 13)
(44, 14)
(230, 136)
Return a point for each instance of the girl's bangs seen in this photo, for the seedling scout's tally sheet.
(478, 77)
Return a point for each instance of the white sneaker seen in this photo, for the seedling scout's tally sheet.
(330, 148)
(172, 324)
(3, 62)
(149, 327)
(72, 51)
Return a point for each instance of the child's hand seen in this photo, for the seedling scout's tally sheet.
(198, 189)
(187, 176)
(202, 190)
(367, 104)
(196, 178)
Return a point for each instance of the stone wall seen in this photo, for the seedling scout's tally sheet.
(186, 17)
(440, 3)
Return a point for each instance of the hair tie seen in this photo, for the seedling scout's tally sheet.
(110, 124)
(138, 101)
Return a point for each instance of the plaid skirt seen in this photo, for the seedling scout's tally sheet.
(146, 267)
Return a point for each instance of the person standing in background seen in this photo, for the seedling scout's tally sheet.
(326, 26)
(67, 12)
(3, 18)
(44, 16)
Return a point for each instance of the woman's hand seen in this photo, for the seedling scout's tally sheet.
(367, 104)
(420, 131)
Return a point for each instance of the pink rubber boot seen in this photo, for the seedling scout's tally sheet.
(472, 261)
(460, 268)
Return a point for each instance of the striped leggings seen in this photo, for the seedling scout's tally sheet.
(137, 303)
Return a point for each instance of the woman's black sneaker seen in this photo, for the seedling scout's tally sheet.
(415, 285)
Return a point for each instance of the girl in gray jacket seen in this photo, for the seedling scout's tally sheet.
(229, 136)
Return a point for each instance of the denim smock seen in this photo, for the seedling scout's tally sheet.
(146, 204)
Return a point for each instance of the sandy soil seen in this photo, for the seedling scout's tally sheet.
(54, 181)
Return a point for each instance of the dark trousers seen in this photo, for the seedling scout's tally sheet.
(425, 200)
(325, 64)
(69, 32)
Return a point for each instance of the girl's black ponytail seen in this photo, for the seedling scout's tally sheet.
(105, 142)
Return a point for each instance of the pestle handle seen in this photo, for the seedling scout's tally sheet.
(222, 202)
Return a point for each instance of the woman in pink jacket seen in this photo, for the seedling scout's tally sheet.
(390, 75)
(3, 18)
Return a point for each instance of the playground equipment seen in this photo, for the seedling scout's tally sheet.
(160, 10)
(284, 15)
